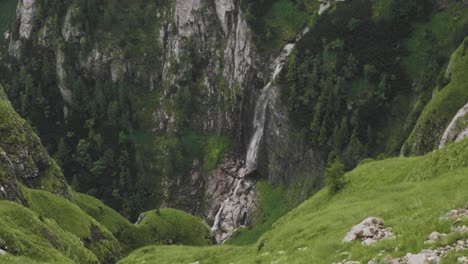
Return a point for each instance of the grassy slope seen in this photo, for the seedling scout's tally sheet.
(443, 106)
(28, 234)
(173, 226)
(72, 219)
(53, 229)
(170, 224)
(410, 194)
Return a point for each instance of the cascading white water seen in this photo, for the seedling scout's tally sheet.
(261, 106)
(259, 127)
(220, 211)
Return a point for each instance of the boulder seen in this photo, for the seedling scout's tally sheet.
(417, 259)
(369, 231)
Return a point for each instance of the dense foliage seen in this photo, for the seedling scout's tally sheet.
(346, 84)
(103, 139)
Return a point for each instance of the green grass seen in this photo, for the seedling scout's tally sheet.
(215, 146)
(7, 15)
(172, 226)
(72, 219)
(442, 108)
(392, 189)
(273, 205)
(168, 226)
(55, 230)
(30, 235)
(106, 216)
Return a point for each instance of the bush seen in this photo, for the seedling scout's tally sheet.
(334, 175)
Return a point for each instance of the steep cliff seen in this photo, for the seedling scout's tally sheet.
(434, 128)
(137, 100)
(23, 158)
(192, 68)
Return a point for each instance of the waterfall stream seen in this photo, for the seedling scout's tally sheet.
(258, 126)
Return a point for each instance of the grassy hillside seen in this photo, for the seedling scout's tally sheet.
(55, 230)
(444, 105)
(409, 194)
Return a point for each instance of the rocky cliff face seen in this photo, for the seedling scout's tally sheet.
(457, 129)
(23, 159)
(203, 44)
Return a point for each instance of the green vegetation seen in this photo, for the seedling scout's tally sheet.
(275, 22)
(334, 176)
(29, 234)
(214, 147)
(7, 15)
(54, 230)
(72, 219)
(312, 233)
(273, 205)
(164, 226)
(445, 103)
(169, 226)
(106, 216)
(16, 136)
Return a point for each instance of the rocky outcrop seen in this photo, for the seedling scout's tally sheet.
(457, 129)
(23, 159)
(198, 27)
(223, 197)
(234, 199)
(369, 231)
(26, 14)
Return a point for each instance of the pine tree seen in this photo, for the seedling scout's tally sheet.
(334, 176)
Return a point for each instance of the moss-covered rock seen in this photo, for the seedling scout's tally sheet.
(23, 158)
(444, 105)
(31, 235)
(71, 218)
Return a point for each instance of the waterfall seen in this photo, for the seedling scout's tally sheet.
(221, 208)
(259, 127)
(262, 103)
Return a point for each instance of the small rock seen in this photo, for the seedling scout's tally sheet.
(417, 259)
(2, 252)
(462, 260)
(434, 236)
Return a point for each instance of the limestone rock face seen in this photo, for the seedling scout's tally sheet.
(234, 202)
(25, 12)
(222, 197)
(457, 129)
